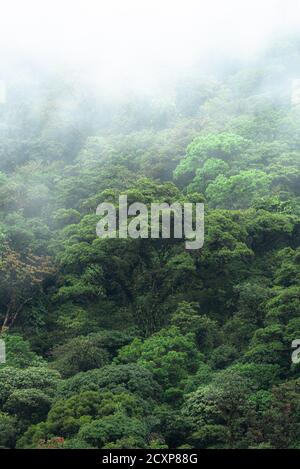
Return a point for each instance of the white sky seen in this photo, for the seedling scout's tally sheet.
(126, 38)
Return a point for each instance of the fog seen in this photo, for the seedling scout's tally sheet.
(137, 43)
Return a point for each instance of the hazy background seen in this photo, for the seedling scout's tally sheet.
(137, 43)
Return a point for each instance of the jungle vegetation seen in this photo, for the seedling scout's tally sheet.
(140, 343)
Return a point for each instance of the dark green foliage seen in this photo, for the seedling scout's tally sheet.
(140, 343)
(130, 377)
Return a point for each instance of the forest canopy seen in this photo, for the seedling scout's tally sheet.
(140, 343)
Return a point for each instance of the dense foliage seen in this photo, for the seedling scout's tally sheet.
(123, 343)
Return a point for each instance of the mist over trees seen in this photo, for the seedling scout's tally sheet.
(123, 343)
